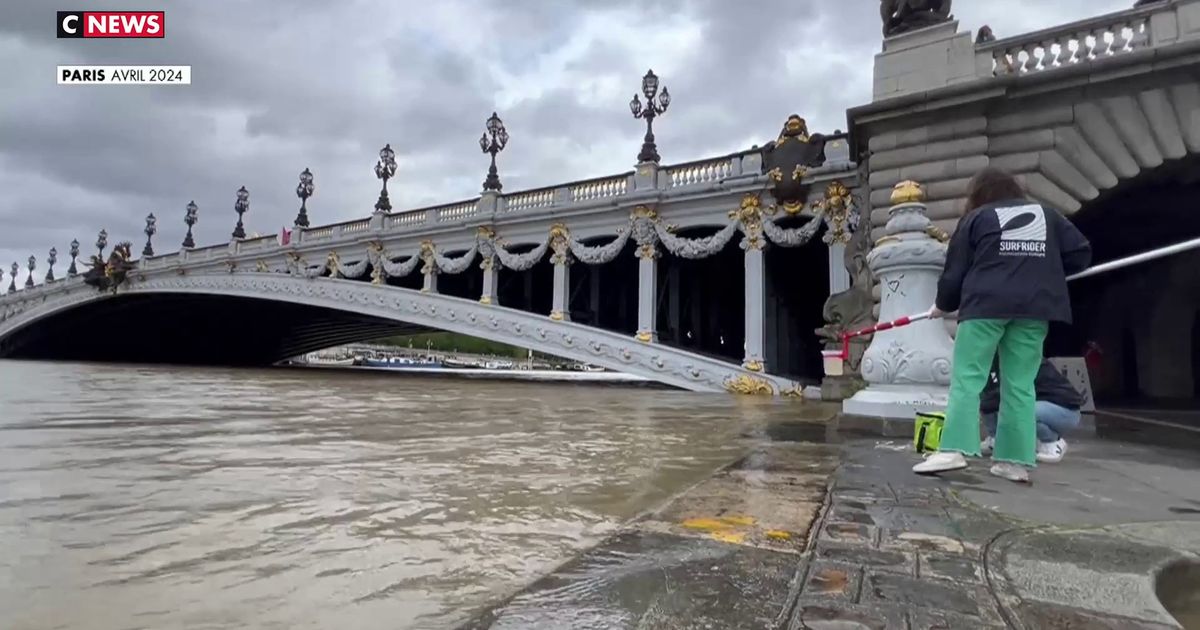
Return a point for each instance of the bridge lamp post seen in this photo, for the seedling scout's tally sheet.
(71, 271)
(53, 258)
(652, 109)
(150, 230)
(304, 190)
(385, 169)
(190, 217)
(32, 263)
(12, 287)
(241, 206)
(102, 242)
(494, 145)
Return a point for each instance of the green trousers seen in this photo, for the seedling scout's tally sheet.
(1019, 342)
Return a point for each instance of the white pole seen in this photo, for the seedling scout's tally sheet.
(1153, 254)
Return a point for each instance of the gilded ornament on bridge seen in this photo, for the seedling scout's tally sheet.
(836, 207)
(938, 234)
(907, 191)
(231, 265)
(754, 365)
(750, 215)
(427, 257)
(644, 337)
(644, 212)
(261, 266)
(792, 392)
(557, 316)
(560, 244)
(485, 233)
(111, 274)
(787, 160)
(749, 385)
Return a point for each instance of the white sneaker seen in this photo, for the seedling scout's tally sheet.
(941, 462)
(1051, 452)
(1011, 472)
(987, 445)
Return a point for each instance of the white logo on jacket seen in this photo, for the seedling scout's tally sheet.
(1022, 230)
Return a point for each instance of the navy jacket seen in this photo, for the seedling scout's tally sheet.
(1050, 384)
(1010, 260)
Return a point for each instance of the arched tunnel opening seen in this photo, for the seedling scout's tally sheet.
(188, 329)
(702, 301)
(1137, 326)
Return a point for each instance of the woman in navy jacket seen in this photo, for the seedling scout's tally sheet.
(1006, 276)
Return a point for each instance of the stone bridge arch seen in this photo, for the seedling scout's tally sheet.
(370, 310)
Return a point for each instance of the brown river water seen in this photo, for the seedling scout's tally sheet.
(153, 497)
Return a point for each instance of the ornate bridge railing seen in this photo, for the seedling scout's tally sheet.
(1085, 41)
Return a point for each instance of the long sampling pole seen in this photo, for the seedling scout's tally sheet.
(1120, 263)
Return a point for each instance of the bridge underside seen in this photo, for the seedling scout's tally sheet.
(193, 329)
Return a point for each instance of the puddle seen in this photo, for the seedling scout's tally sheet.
(810, 432)
(1178, 588)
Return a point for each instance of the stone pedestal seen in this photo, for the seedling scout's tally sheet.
(906, 369)
(922, 60)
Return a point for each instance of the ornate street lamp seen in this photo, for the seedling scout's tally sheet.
(385, 169)
(53, 258)
(74, 254)
(12, 287)
(190, 219)
(102, 242)
(304, 190)
(499, 138)
(241, 207)
(32, 263)
(148, 250)
(649, 151)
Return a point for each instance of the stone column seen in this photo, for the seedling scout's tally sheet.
(755, 279)
(428, 268)
(559, 243)
(647, 293)
(487, 252)
(647, 254)
(753, 241)
(907, 369)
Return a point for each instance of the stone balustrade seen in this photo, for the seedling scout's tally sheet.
(1090, 40)
(600, 189)
(730, 175)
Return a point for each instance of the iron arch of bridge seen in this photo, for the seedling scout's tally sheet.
(610, 350)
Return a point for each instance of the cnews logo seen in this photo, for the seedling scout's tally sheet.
(124, 24)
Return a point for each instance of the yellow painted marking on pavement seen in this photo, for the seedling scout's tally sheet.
(730, 537)
(779, 534)
(719, 523)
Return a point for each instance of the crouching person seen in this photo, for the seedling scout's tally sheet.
(1056, 410)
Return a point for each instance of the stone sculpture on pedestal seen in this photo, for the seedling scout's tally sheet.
(906, 369)
(901, 16)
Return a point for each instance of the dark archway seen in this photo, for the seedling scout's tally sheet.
(192, 329)
(796, 291)
(1142, 317)
(702, 301)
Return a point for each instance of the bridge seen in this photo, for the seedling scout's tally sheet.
(710, 275)
(661, 272)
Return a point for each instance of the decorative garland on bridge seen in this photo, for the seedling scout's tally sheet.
(756, 223)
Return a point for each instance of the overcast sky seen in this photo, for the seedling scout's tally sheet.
(324, 84)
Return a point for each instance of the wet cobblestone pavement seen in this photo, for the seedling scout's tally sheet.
(844, 537)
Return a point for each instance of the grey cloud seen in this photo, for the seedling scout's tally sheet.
(324, 85)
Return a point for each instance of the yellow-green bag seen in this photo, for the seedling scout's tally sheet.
(927, 431)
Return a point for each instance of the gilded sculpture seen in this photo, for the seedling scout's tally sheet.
(836, 206)
(787, 160)
(111, 274)
(902, 16)
(749, 385)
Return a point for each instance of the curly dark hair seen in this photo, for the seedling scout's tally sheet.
(991, 185)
